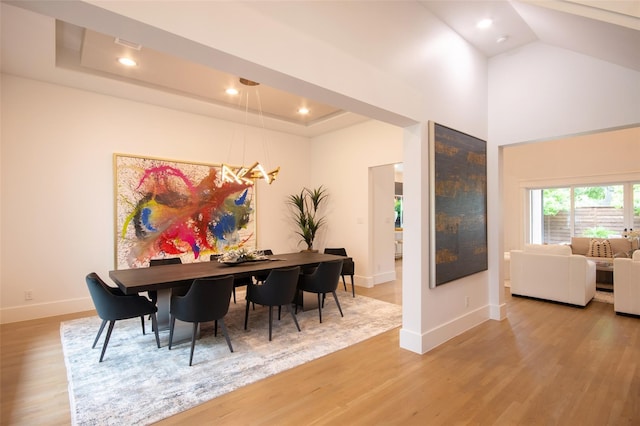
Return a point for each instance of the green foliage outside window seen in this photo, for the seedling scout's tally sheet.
(597, 232)
(556, 200)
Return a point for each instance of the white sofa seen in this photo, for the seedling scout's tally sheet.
(552, 272)
(626, 290)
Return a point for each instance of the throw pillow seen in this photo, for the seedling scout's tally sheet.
(600, 249)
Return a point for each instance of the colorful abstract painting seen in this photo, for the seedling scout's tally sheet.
(170, 209)
(458, 190)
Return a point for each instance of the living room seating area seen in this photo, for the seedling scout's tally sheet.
(568, 273)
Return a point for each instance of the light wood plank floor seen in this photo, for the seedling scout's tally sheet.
(546, 364)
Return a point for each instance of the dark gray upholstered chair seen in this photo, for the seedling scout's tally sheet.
(348, 267)
(279, 288)
(240, 279)
(153, 295)
(324, 279)
(207, 300)
(260, 277)
(113, 305)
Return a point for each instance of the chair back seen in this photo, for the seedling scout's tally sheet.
(207, 300)
(113, 306)
(325, 278)
(169, 261)
(278, 289)
(100, 294)
(348, 267)
(337, 251)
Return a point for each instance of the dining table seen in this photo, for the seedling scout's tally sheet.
(163, 278)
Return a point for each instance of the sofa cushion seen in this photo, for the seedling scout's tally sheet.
(556, 249)
(620, 247)
(600, 249)
(580, 245)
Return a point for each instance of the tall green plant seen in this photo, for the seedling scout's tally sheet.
(306, 206)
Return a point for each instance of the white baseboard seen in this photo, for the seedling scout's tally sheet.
(43, 310)
(423, 343)
(498, 312)
(384, 277)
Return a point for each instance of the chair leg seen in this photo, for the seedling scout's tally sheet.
(226, 333)
(246, 315)
(344, 283)
(215, 328)
(106, 339)
(142, 319)
(294, 317)
(172, 323)
(335, 297)
(353, 287)
(194, 333)
(154, 325)
(270, 320)
(234, 295)
(319, 307)
(104, 322)
(279, 311)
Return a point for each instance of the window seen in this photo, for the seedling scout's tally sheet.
(601, 211)
(598, 211)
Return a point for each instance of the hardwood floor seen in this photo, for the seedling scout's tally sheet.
(546, 364)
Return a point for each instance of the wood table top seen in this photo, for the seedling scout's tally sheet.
(132, 281)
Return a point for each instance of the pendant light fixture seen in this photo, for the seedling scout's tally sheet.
(243, 174)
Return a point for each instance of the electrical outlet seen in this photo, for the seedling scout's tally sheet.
(28, 295)
(466, 301)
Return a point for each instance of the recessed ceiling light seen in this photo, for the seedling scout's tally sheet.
(303, 110)
(231, 91)
(127, 62)
(485, 23)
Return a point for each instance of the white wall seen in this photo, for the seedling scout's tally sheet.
(382, 224)
(57, 184)
(341, 162)
(540, 92)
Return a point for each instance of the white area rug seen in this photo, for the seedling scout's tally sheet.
(603, 296)
(137, 383)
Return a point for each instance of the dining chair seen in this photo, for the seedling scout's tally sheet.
(261, 276)
(324, 279)
(348, 267)
(279, 288)
(239, 280)
(113, 305)
(153, 295)
(207, 300)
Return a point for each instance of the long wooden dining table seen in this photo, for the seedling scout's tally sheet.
(133, 281)
(163, 278)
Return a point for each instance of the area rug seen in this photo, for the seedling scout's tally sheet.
(603, 296)
(137, 383)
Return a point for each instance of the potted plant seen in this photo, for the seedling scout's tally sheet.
(306, 206)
